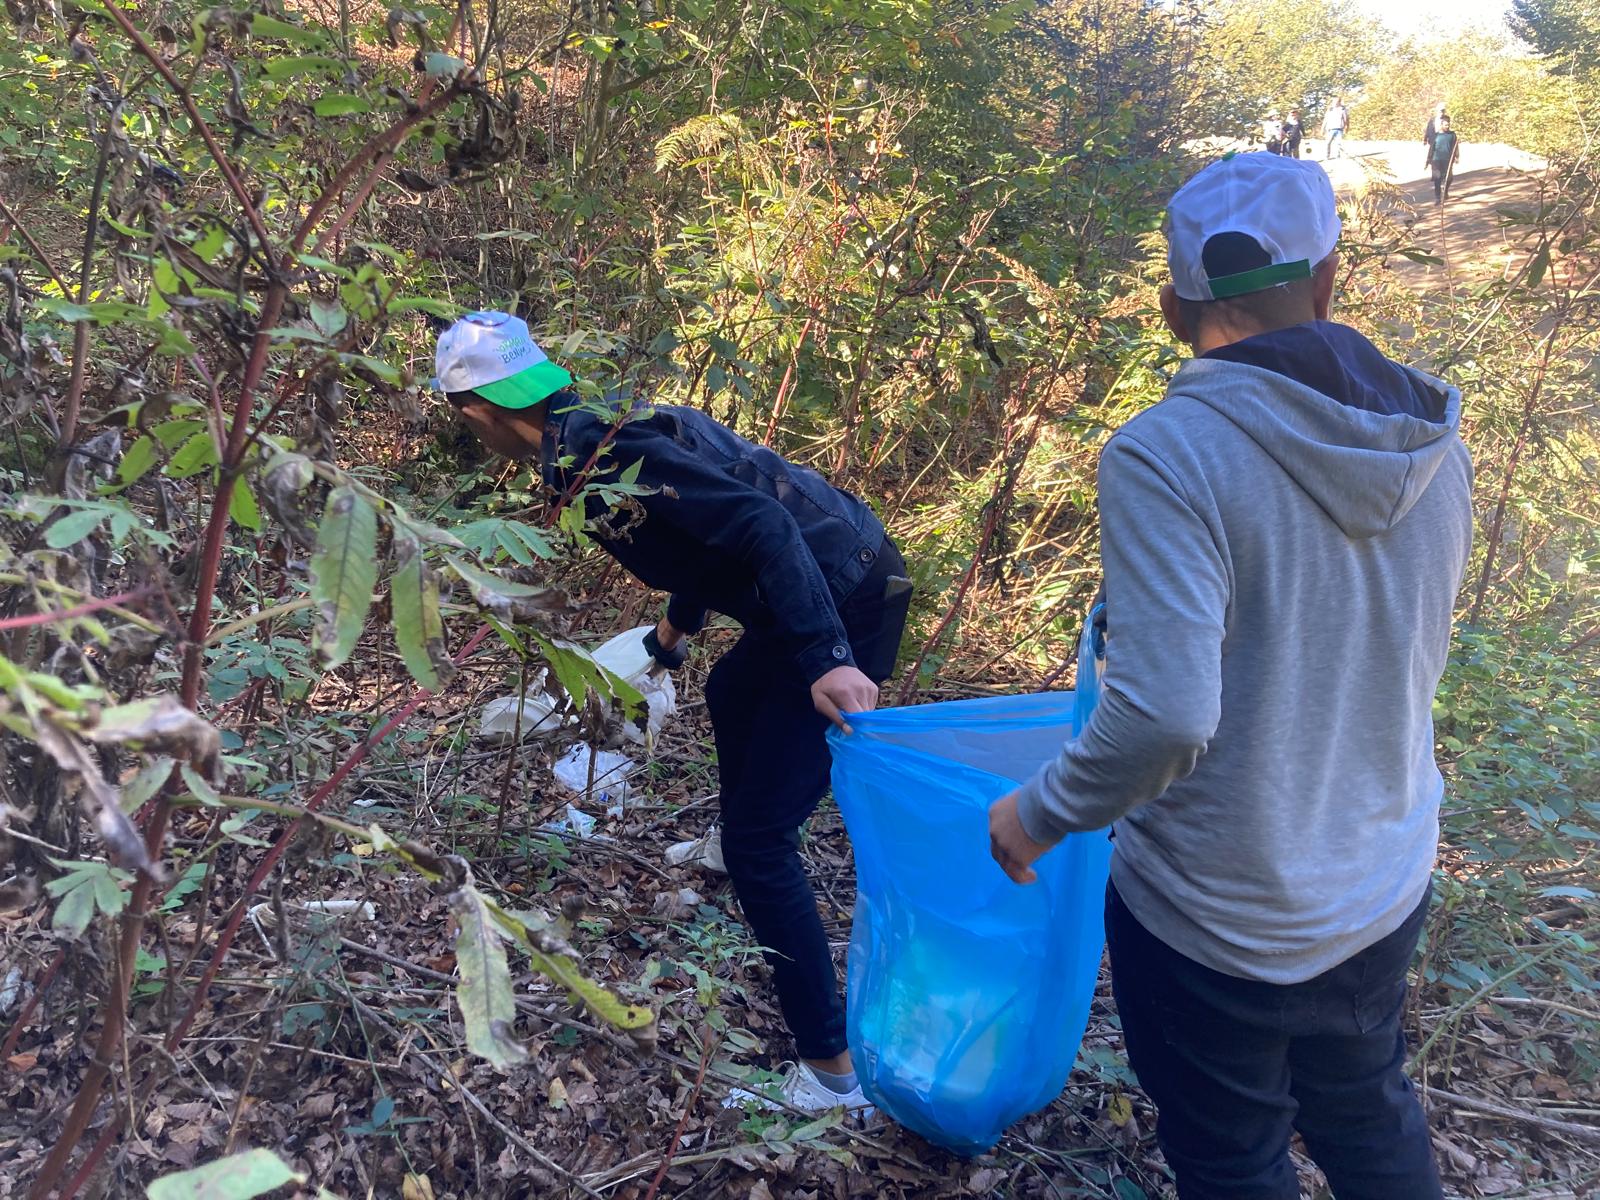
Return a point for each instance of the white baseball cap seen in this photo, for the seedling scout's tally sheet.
(1285, 205)
(493, 354)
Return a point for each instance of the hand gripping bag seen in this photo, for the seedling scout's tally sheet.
(968, 995)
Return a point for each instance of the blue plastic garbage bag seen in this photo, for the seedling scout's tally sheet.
(968, 995)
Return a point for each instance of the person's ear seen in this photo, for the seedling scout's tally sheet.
(1322, 284)
(1172, 314)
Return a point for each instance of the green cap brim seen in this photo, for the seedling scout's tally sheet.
(526, 388)
(1226, 287)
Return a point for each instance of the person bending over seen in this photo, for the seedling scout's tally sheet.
(727, 526)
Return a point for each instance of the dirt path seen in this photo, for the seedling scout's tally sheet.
(1468, 231)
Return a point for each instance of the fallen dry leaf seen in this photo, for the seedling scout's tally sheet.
(320, 1105)
(416, 1187)
(983, 1181)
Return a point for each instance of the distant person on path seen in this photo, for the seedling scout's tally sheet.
(1334, 124)
(1282, 538)
(724, 525)
(1433, 124)
(1272, 134)
(1293, 133)
(1444, 148)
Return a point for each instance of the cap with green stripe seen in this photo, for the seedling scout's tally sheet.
(1282, 210)
(494, 355)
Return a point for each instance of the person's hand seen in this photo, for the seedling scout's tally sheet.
(1010, 844)
(668, 635)
(665, 644)
(842, 690)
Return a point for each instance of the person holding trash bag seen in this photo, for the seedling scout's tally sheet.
(1283, 538)
(731, 527)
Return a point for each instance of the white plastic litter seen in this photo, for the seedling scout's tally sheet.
(498, 721)
(611, 771)
(577, 822)
(626, 656)
(11, 989)
(704, 852)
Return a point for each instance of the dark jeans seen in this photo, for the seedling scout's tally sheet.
(1234, 1066)
(1441, 184)
(773, 764)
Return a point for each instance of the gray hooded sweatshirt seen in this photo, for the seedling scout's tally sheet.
(1280, 572)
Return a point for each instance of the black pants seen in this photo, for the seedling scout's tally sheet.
(773, 763)
(1234, 1066)
(1441, 184)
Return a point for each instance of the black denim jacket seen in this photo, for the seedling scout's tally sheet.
(729, 526)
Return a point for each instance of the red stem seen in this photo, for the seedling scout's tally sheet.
(688, 1109)
(39, 990)
(82, 610)
(377, 147)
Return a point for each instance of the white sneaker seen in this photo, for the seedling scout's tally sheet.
(800, 1088)
(704, 852)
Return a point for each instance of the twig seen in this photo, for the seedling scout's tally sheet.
(223, 632)
(80, 332)
(1554, 1005)
(270, 859)
(448, 1077)
(38, 250)
(1587, 1133)
(688, 1110)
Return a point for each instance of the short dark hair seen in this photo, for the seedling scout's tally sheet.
(1231, 254)
(457, 399)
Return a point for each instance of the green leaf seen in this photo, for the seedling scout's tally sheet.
(426, 304)
(488, 1005)
(344, 570)
(146, 783)
(263, 26)
(281, 69)
(163, 283)
(198, 454)
(418, 626)
(200, 788)
(209, 246)
(86, 887)
(1539, 265)
(242, 507)
(549, 956)
(329, 316)
(385, 371)
(170, 433)
(140, 457)
(340, 104)
(72, 528)
(490, 582)
(237, 1177)
(64, 309)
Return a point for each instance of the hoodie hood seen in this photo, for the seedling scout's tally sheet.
(1362, 436)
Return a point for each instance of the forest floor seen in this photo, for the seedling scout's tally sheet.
(339, 1044)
